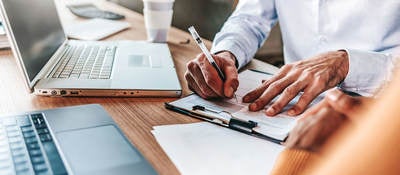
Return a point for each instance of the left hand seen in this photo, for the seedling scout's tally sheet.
(311, 132)
(319, 122)
(312, 76)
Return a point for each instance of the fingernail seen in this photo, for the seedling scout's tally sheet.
(333, 95)
(229, 92)
(292, 112)
(270, 111)
(253, 106)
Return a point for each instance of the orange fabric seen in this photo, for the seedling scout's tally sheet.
(292, 161)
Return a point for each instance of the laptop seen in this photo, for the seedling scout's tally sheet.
(53, 65)
(71, 140)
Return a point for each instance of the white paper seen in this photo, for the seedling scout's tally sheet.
(207, 149)
(95, 29)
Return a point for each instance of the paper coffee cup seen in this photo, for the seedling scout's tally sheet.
(157, 24)
(157, 18)
(158, 5)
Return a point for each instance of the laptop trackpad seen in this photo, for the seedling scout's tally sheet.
(100, 150)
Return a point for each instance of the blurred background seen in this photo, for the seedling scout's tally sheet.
(208, 16)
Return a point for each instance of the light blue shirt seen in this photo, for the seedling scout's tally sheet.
(369, 30)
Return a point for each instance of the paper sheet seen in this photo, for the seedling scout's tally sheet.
(207, 149)
(95, 29)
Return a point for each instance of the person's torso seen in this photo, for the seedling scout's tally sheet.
(310, 27)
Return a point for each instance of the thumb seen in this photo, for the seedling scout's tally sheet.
(342, 102)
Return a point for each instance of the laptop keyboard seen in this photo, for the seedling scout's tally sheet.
(26, 147)
(85, 62)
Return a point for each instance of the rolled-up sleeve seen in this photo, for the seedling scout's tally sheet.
(246, 29)
(368, 71)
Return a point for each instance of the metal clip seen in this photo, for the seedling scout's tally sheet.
(229, 119)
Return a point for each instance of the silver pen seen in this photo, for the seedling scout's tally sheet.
(207, 53)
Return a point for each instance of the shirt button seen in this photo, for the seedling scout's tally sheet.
(322, 39)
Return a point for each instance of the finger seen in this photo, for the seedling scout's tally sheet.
(193, 86)
(211, 76)
(310, 93)
(327, 122)
(343, 103)
(232, 82)
(294, 135)
(313, 110)
(312, 129)
(287, 95)
(256, 93)
(197, 76)
(309, 140)
(299, 132)
(269, 94)
(272, 91)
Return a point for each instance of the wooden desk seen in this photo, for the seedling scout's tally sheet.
(135, 116)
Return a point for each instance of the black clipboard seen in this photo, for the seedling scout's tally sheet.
(245, 127)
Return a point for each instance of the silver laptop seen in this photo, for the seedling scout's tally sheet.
(72, 140)
(56, 66)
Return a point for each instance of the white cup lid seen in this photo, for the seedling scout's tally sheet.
(160, 1)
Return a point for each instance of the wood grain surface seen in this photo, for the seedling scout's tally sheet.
(135, 116)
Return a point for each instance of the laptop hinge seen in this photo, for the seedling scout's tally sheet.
(49, 66)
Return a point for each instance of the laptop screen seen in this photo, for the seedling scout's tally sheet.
(37, 31)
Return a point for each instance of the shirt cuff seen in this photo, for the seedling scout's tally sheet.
(367, 71)
(231, 46)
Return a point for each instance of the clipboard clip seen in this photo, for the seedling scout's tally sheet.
(228, 119)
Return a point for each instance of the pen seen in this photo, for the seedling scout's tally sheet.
(207, 53)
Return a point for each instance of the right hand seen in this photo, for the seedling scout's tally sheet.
(203, 79)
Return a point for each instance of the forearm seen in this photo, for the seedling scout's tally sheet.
(246, 29)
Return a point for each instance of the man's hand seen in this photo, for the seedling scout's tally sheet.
(322, 120)
(203, 79)
(312, 76)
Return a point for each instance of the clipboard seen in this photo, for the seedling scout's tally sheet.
(232, 114)
(243, 126)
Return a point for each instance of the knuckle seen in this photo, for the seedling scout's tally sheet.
(211, 82)
(289, 91)
(208, 92)
(287, 67)
(187, 76)
(318, 78)
(305, 98)
(319, 83)
(202, 58)
(276, 86)
(235, 83)
(200, 55)
(295, 72)
(307, 73)
(191, 65)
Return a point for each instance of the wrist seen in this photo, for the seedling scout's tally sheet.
(227, 54)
